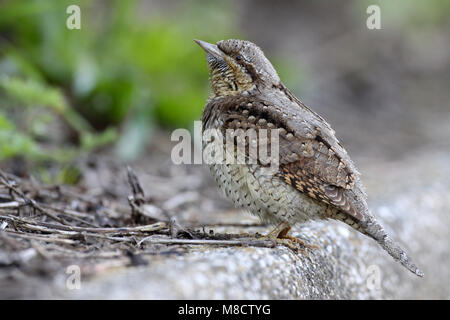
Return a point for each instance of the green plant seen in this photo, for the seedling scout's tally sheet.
(120, 70)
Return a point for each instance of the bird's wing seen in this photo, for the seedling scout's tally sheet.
(311, 158)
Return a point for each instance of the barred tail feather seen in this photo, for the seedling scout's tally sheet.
(371, 228)
(399, 254)
(374, 230)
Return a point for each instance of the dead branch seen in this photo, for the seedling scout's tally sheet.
(5, 181)
(39, 237)
(239, 242)
(136, 187)
(122, 230)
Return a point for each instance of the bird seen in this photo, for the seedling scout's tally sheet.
(315, 178)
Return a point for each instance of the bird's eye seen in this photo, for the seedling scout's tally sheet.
(238, 58)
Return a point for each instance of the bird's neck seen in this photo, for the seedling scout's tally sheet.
(226, 83)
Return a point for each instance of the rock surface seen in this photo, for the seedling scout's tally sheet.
(347, 265)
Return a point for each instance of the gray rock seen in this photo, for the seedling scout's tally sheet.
(347, 265)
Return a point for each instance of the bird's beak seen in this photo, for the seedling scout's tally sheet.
(210, 48)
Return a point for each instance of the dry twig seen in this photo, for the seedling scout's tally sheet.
(5, 181)
(239, 242)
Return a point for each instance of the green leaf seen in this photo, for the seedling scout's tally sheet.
(32, 93)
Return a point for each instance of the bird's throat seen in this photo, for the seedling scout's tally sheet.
(229, 82)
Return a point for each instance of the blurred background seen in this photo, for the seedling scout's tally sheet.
(133, 71)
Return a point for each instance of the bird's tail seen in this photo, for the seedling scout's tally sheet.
(371, 228)
(399, 254)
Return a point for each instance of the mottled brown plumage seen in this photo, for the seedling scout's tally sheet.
(316, 179)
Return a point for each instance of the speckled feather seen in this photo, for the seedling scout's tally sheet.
(308, 162)
(316, 177)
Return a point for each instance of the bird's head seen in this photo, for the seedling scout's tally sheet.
(237, 66)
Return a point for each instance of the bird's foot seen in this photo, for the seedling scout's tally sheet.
(280, 236)
(298, 241)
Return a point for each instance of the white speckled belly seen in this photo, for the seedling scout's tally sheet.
(266, 196)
